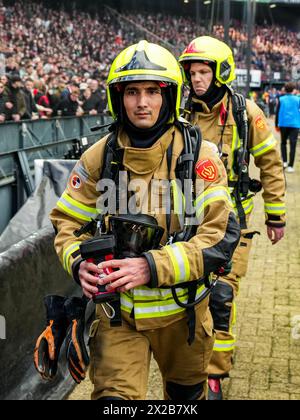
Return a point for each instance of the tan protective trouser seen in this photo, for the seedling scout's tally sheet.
(222, 358)
(120, 356)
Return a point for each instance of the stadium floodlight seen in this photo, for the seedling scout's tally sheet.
(207, 2)
(186, 1)
(272, 6)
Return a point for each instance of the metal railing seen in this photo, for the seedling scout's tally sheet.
(22, 143)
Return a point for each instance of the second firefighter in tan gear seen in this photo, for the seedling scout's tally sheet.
(209, 68)
(143, 76)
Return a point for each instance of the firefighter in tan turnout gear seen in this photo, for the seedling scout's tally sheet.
(239, 129)
(148, 144)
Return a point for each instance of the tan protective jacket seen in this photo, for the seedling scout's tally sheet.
(262, 146)
(213, 245)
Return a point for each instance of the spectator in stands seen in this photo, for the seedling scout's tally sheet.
(16, 97)
(288, 121)
(55, 89)
(12, 67)
(69, 106)
(94, 102)
(4, 111)
(4, 80)
(30, 73)
(87, 105)
(31, 109)
(42, 100)
(41, 43)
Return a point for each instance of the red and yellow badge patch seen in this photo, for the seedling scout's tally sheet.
(260, 123)
(207, 170)
(75, 182)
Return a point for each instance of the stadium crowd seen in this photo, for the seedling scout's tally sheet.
(54, 62)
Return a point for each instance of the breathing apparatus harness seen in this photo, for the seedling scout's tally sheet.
(241, 160)
(113, 164)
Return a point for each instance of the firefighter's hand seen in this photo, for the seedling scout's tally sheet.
(89, 277)
(130, 273)
(275, 234)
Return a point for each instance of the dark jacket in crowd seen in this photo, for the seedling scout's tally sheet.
(30, 104)
(94, 102)
(3, 110)
(67, 107)
(17, 97)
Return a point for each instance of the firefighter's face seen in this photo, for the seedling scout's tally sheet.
(201, 77)
(143, 102)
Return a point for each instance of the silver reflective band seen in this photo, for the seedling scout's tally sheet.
(224, 346)
(275, 208)
(264, 147)
(2, 328)
(202, 202)
(156, 293)
(184, 274)
(84, 213)
(67, 254)
(80, 170)
(165, 308)
(125, 302)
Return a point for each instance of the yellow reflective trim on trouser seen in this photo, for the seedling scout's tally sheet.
(146, 310)
(275, 208)
(224, 345)
(67, 255)
(76, 209)
(264, 146)
(179, 261)
(233, 314)
(211, 196)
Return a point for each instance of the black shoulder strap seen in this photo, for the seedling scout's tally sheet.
(109, 156)
(239, 111)
(196, 138)
(192, 145)
(112, 162)
(240, 116)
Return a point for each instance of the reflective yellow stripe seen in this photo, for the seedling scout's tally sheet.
(67, 255)
(233, 323)
(146, 310)
(178, 198)
(211, 196)
(126, 303)
(236, 144)
(145, 294)
(224, 345)
(179, 261)
(275, 208)
(264, 147)
(248, 206)
(76, 209)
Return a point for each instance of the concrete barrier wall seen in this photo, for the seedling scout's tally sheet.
(29, 271)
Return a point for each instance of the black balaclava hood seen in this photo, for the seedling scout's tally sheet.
(145, 138)
(214, 93)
